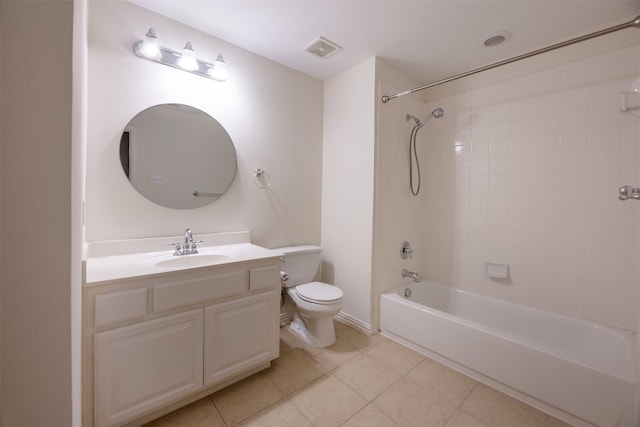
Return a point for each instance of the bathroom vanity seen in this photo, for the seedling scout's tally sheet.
(161, 331)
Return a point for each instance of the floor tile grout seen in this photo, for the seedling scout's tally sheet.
(331, 357)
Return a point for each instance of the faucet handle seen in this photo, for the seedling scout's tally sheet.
(178, 249)
(405, 250)
(194, 246)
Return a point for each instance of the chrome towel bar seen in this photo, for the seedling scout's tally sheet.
(199, 194)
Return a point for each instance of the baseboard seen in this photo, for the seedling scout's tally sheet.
(353, 322)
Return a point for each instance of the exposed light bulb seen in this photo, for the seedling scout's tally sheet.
(219, 69)
(188, 58)
(150, 47)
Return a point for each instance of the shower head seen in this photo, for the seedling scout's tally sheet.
(437, 113)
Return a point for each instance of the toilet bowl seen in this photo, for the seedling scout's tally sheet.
(315, 302)
(313, 320)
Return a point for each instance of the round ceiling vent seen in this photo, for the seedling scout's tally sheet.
(496, 38)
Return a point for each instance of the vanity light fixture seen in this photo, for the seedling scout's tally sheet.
(219, 70)
(150, 49)
(188, 59)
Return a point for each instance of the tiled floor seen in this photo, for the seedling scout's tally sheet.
(360, 381)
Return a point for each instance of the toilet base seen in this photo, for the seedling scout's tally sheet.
(316, 332)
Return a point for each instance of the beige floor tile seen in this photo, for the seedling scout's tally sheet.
(293, 370)
(371, 416)
(357, 339)
(454, 386)
(366, 375)
(243, 399)
(554, 422)
(395, 356)
(333, 356)
(411, 405)
(282, 414)
(338, 325)
(462, 419)
(497, 409)
(200, 413)
(328, 402)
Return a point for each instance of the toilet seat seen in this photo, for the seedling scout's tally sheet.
(319, 293)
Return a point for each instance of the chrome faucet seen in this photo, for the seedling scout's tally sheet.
(188, 239)
(188, 246)
(415, 276)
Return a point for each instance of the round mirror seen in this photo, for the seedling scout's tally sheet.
(177, 156)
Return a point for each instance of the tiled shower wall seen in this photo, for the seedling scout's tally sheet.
(525, 172)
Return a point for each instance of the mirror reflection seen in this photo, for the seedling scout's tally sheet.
(177, 156)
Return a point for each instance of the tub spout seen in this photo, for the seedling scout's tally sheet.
(415, 276)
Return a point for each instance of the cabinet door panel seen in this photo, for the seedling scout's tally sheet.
(113, 307)
(264, 278)
(180, 293)
(142, 367)
(239, 336)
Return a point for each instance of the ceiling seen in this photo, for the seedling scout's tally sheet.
(427, 40)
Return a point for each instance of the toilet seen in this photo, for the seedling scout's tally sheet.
(315, 302)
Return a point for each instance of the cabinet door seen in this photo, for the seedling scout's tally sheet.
(240, 335)
(142, 367)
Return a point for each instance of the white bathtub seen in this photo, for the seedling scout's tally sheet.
(575, 370)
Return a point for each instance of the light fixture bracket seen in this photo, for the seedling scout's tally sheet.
(170, 57)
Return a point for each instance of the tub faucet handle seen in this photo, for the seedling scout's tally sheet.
(405, 250)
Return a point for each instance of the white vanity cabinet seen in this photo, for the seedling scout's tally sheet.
(140, 367)
(157, 341)
(238, 337)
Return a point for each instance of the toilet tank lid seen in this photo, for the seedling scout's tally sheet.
(301, 249)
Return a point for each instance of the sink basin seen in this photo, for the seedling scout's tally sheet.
(194, 260)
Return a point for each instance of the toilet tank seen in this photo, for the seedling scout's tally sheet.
(301, 264)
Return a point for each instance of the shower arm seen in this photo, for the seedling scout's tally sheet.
(631, 24)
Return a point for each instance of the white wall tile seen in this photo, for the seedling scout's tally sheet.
(499, 183)
(522, 146)
(605, 67)
(479, 150)
(499, 148)
(538, 163)
(521, 165)
(574, 75)
(574, 99)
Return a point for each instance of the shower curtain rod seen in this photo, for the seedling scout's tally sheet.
(634, 23)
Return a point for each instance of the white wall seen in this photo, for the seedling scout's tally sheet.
(78, 179)
(272, 113)
(348, 187)
(37, 267)
(397, 213)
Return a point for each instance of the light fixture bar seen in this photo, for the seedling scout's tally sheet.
(170, 57)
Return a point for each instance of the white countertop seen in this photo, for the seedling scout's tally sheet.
(116, 267)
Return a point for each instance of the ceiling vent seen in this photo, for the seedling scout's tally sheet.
(322, 48)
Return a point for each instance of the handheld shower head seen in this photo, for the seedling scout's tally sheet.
(437, 113)
(413, 153)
